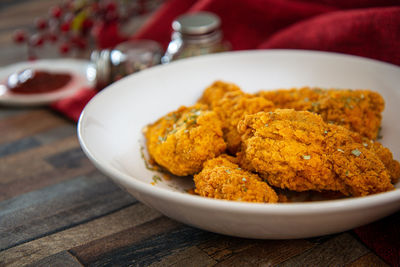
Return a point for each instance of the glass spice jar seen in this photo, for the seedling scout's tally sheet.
(195, 34)
(108, 66)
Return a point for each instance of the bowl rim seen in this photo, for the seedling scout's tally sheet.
(297, 208)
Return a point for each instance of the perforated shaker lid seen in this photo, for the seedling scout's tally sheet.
(196, 23)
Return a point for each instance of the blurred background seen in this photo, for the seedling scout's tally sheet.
(31, 29)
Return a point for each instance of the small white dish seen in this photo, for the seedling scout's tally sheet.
(110, 134)
(75, 67)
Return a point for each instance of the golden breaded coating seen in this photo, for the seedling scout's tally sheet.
(182, 140)
(385, 155)
(297, 150)
(216, 91)
(223, 179)
(232, 108)
(357, 110)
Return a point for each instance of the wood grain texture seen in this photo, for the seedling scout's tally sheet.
(40, 248)
(190, 257)
(225, 247)
(62, 258)
(60, 206)
(26, 124)
(370, 260)
(9, 111)
(154, 249)
(337, 251)
(38, 171)
(33, 160)
(42, 138)
(94, 250)
(267, 253)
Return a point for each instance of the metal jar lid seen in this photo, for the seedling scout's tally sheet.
(196, 23)
(126, 58)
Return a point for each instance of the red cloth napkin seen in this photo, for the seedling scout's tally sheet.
(369, 28)
(72, 107)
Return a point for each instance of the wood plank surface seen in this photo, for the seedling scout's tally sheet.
(62, 258)
(26, 124)
(40, 248)
(153, 249)
(94, 250)
(370, 260)
(57, 209)
(337, 251)
(267, 253)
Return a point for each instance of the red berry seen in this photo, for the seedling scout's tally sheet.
(19, 36)
(64, 48)
(79, 42)
(41, 24)
(112, 16)
(52, 37)
(65, 27)
(87, 24)
(56, 12)
(111, 6)
(36, 40)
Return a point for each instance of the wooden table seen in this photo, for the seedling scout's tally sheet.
(56, 209)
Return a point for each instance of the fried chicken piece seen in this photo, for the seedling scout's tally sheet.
(357, 110)
(231, 104)
(231, 108)
(297, 150)
(386, 156)
(216, 91)
(182, 140)
(222, 178)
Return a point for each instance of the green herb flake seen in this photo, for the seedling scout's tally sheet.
(325, 132)
(266, 125)
(227, 171)
(238, 168)
(306, 157)
(347, 173)
(314, 104)
(340, 150)
(156, 178)
(380, 136)
(365, 144)
(245, 189)
(146, 163)
(356, 152)
(162, 139)
(244, 179)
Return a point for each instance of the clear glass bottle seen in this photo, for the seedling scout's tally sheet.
(195, 34)
(128, 57)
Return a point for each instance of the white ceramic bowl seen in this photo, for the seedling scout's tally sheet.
(110, 134)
